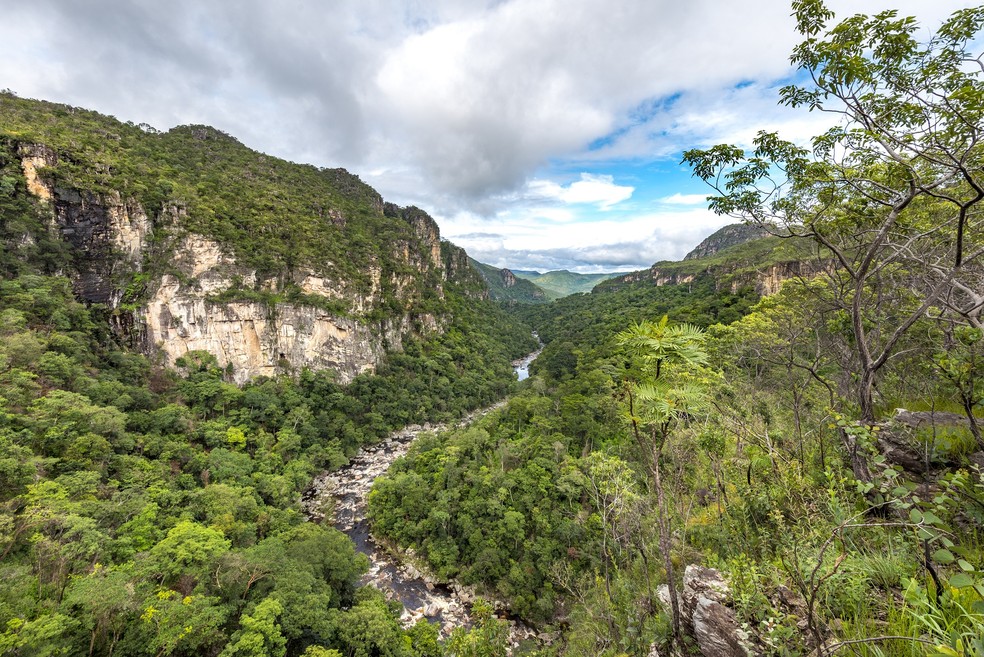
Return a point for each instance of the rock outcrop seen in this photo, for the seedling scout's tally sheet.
(108, 233)
(202, 298)
(765, 280)
(706, 614)
(730, 235)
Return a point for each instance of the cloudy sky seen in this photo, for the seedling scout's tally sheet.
(541, 134)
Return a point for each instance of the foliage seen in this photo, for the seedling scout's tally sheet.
(563, 283)
(151, 512)
(275, 217)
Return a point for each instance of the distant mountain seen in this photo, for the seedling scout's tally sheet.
(562, 283)
(730, 235)
(760, 263)
(505, 285)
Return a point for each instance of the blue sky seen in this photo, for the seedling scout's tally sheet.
(541, 134)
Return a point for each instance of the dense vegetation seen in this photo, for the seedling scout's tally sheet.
(761, 440)
(562, 283)
(153, 512)
(275, 217)
(145, 511)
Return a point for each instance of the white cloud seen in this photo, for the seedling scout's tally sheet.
(685, 199)
(599, 190)
(621, 244)
(463, 107)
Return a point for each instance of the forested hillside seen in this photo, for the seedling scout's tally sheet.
(507, 287)
(151, 507)
(695, 469)
(771, 448)
(563, 283)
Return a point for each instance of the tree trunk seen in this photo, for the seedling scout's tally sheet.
(975, 428)
(859, 460)
(665, 545)
(866, 389)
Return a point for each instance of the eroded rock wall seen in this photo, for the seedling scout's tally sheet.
(182, 310)
(107, 232)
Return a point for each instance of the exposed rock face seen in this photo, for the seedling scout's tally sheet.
(728, 236)
(425, 228)
(34, 157)
(770, 279)
(255, 338)
(766, 280)
(108, 233)
(706, 615)
(111, 236)
(705, 594)
(508, 278)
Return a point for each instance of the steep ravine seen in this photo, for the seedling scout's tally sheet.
(342, 495)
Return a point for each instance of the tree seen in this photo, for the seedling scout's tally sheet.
(962, 363)
(488, 638)
(610, 482)
(667, 390)
(260, 634)
(892, 193)
(371, 628)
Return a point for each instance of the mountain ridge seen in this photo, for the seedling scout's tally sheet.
(561, 283)
(192, 241)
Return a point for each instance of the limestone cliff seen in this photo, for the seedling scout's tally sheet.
(765, 280)
(256, 337)
(173, 290)
(108, 233)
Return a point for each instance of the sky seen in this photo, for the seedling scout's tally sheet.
(540, 134)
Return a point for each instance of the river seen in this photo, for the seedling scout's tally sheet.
(343, 495)
(521, 366)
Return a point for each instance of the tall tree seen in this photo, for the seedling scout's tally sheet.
(892, 193)
(665, 392)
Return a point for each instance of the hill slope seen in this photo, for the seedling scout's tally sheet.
(196, 242)
(562, 283)
(761, 263)
(505, 286)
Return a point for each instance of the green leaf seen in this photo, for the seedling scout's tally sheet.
(961, 580)
(965, 566)
(943, 556)
(916, 516)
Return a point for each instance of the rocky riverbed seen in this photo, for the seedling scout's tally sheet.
(341, 497)
(522, 365)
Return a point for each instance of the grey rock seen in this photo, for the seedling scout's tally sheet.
(717, 631)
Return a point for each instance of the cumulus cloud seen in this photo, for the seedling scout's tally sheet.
(623, 244)
(685, 199)
(599, 190)
(457, 106)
